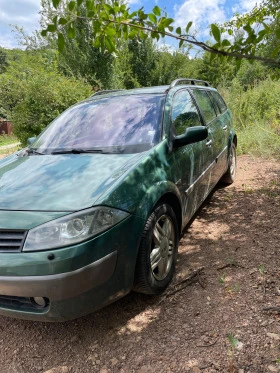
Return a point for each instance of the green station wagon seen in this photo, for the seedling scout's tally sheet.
(95, 205)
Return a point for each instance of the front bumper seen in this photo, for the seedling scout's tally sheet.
(76, 281)
(61, 286)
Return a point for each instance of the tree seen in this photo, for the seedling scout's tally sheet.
(3, 61)
(34, 93)
(111, 20)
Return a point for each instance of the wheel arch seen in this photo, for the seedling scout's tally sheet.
(173, 201)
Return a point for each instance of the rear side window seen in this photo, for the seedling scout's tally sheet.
(205, 104)
(184, 112)
(219, 100)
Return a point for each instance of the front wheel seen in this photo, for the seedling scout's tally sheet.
(230, 174)
(157, 251)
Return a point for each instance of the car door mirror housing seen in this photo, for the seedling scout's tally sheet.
(31, 140)
(191, 135)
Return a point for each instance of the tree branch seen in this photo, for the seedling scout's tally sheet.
(186, 38)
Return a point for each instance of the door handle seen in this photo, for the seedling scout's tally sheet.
(209, 143)
(225, 127)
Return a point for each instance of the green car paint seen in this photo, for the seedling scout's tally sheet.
(35, 189)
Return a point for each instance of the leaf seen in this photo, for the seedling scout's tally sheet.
(55, 3)
(71, 5)
(110, 31)
(51, 28)
(248, 29)
(60, 42)
(62, 21)
(110, 45)
(181, 42)
(89, 4)
(216, 32)
(71, 32)
(189, 25)
(157, 10)
(79, 2)
(153, 18)
(55, 20)
(234, 342)
(44, 33)
(178, 30)
(277, 33)
(132, 33)
(226, 43)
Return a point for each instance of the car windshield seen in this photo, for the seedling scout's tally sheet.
(119, 124)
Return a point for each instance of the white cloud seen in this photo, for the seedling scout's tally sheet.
(133, 2)
(23, 13)
(244, 6)
(201, 12)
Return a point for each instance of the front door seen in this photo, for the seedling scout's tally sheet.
(191, 159)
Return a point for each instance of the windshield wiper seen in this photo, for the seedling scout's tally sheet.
(107, 150)
(77, 151)
(34, 151)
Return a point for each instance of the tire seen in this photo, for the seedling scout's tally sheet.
(157, 252)
(229, 176)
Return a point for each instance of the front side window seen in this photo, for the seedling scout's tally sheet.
(205, 104)
(118, 124)
(184, 112)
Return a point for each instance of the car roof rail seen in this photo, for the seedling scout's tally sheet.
(188, 81)
(104, 91)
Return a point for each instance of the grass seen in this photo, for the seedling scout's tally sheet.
(7, 140)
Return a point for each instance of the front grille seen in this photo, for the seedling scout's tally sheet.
(11, 241)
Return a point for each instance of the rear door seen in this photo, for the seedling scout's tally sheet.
(224, 126)
(216, 140)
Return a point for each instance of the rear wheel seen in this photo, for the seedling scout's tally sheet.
(230, 174)
(157, 251)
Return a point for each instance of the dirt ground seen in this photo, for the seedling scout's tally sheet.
(217, 322)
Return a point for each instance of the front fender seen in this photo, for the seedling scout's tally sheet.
(153, 195)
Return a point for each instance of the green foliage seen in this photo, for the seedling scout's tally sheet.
(256, 115)
(3, 61)
(233, 341)
(142, 60)
(110, 21)
(36, 93)
(7, 140)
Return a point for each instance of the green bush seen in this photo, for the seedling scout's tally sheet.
(34, 94)
(256, 115)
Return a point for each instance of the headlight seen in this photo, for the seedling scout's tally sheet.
(72, 228)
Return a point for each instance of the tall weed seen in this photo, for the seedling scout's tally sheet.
(256, 115)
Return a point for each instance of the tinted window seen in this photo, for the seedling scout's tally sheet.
(220, 101)
(126, 121)
(205, 104)
(184, 112)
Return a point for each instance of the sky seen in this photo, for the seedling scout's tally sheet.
(25, 14)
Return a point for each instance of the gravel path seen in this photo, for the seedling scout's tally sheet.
(216, 323)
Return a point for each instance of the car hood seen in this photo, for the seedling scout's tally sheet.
(68, 182)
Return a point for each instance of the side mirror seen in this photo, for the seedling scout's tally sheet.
(30, 140)
(192, 135)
